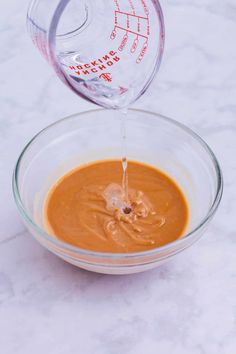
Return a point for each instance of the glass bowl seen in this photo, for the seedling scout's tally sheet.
(95, 135)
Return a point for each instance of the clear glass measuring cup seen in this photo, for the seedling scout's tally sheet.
(107, 51)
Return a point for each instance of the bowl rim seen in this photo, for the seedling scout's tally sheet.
(108, 255)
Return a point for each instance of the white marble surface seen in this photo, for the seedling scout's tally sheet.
(186, 306)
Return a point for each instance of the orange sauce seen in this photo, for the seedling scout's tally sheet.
(86, 208)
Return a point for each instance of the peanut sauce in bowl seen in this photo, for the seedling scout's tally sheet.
(67, 185)
(86, 208)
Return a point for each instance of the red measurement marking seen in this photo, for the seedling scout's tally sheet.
(117, 4)
(142, 53)
(123, 90)
(113, 34)
(136, 33)
(134, 45)
(138, 28)
(123, 42)
(128, 14)
(138, 25)
(132, 6)
(106, 77)
(145, 8)
(127, 21)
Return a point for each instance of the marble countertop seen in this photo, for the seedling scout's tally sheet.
(186, 306)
